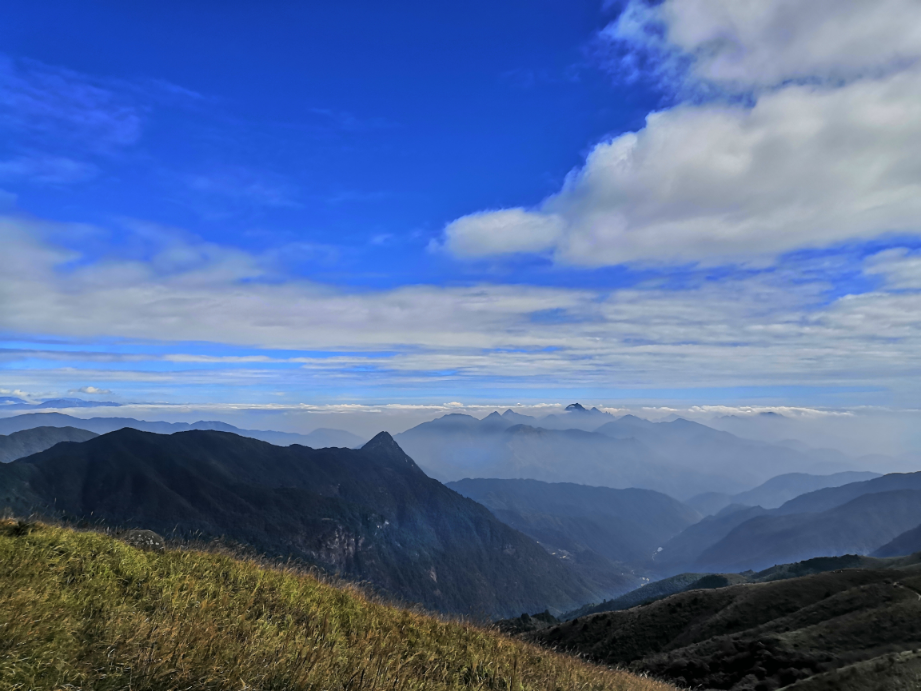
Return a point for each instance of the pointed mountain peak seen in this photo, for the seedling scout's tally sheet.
(576, 408)
(494, 415)
(509, 412)
(384, 446)
(382, 441)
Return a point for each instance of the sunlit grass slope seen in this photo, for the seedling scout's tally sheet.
(83, 610)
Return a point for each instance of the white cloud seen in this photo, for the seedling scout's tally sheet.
(897, 267)
(804, 164)
(502, 232)
(91, 390)
(743, 45)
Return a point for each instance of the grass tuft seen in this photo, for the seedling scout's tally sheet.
(82, 610)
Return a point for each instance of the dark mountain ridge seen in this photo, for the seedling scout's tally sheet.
(368, 514)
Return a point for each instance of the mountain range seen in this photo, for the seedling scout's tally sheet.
(857, 518)
(318, 439)
(678, 457)
(369, 514)
(776, 491)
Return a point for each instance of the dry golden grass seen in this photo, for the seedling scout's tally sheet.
(80, 610)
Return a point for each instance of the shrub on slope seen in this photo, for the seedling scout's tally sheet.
(84, 610)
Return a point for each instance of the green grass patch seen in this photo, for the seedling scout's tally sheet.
(82, 610)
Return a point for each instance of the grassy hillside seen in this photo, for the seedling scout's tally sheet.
(84, 610)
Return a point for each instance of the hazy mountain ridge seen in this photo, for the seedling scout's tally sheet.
(777, 491)
(319, 438)
(455, 447)
(678, 457)
(370, 514)
(859, 518)
(30, 441)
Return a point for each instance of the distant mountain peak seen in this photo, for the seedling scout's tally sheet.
(576, 408)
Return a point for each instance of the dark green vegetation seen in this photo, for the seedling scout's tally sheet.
(657, 590)
(776, 491)
(319, 438)
(84, 611)
(368, 514)
(27, 442)
(527, 623)
(836, 629)
(603, 532)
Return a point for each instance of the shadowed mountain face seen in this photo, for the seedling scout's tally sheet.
(369, 514)
(763, 636)
(27, 442)
(776, 491)
(320, 438)
(621, 526)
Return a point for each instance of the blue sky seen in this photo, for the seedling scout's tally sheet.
(280, 204)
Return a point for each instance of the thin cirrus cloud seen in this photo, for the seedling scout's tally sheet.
(59, 105)
(768, 328)
(802, 128)
(50, 170)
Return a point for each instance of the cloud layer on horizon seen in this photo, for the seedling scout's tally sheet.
(767, 328)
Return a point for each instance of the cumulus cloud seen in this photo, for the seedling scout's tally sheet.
(825, 148)
(744, 45)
